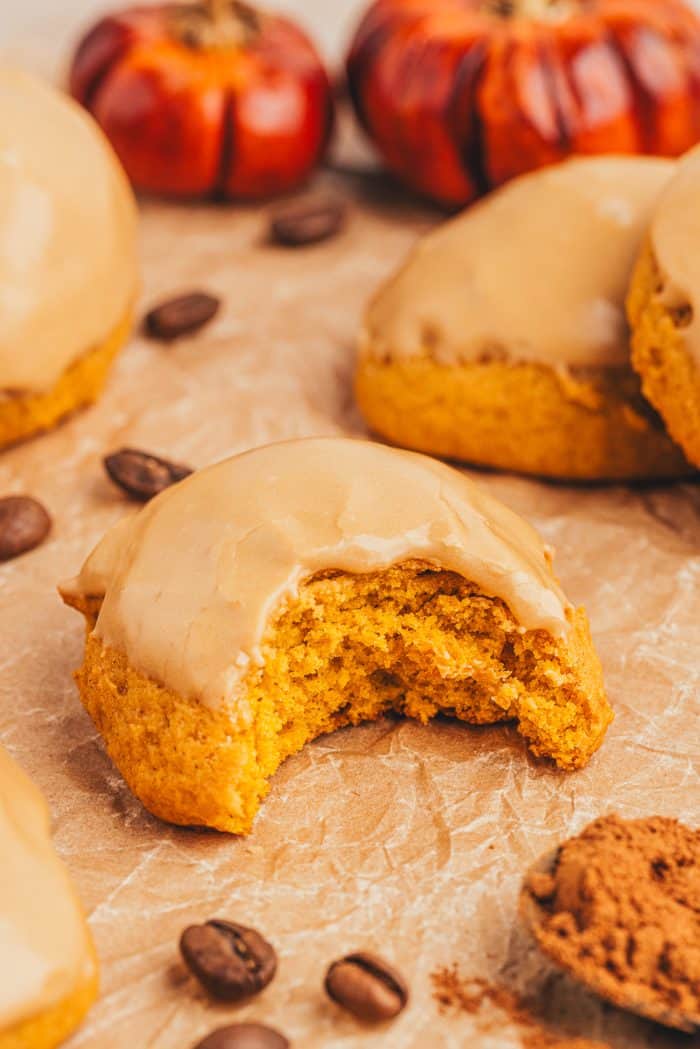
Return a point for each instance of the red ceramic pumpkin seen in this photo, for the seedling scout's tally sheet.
(460, 95)
(209, 97)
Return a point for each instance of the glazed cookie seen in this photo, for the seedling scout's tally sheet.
(664, 311)
(67, 257)
(503, 342)
(47, 959)
(314, 584)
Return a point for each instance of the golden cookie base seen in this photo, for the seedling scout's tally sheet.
(670, 376)
(522, 418)
(51, 1028)
(340, 656)
(26, 414)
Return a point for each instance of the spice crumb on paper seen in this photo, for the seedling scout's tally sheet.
(453, 992)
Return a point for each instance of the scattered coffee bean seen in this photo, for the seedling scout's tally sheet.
(24, 524)
(307, 222)
(231, 961)
(181, 316)
(141, 475)
(244, 1036)
(367, 987)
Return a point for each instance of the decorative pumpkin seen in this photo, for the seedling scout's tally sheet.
(206, 98)
(461, 95)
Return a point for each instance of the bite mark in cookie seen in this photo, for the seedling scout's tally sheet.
(314, 584)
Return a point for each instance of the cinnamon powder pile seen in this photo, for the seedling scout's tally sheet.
(622, 911)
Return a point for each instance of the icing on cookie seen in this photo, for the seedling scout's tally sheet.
(45, 952)
(191, 581)
(675, 241)
(537, 271)
(67, 235)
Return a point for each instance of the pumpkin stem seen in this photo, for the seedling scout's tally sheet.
(216, 23)
(546, 9)
(226, 14)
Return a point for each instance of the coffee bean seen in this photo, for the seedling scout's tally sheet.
(181, 316)
(24, 523)
(244, 1036)
(367, 987)
(141, 475)
(307, 222)
(231, 961)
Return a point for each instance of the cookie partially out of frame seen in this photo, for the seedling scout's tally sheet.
(310, 585)
(47, 959)
(503, 341)
(664, 308)
(68, 272)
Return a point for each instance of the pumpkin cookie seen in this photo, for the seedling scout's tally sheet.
(67, 257)
(503, 341)
(309, 585)
(664, 310)
(47, 960)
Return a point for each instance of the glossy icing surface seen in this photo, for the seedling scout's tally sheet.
(675, 241)
(45, 952)
(538, 271)
(191, 581)
(67, 235)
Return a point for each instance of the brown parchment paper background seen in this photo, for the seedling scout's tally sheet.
(405, 839)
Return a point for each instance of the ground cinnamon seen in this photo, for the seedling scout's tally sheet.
(621, 910)
(452, 991)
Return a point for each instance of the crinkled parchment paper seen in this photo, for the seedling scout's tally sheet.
(404, 839)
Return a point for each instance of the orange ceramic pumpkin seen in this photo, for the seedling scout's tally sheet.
(460, 95)
(209, 97)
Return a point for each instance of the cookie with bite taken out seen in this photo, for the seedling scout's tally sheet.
(314, 584)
